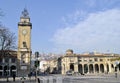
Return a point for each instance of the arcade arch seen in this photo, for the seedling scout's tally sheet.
(107, 68)
(96, 68)
(72, 67)
(101, 68)
(91, 68)
(80, 69)
(85, 68)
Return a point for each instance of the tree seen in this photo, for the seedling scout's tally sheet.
(7, 43)
(7, 39)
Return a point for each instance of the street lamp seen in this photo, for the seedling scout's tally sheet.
(30, 66)
(8, 70)
(36, 63)
(7, 67)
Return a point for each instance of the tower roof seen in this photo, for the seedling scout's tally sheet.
(25, 13)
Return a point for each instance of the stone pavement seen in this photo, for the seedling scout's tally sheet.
(17, 80)
(107, 78)
(92, 79)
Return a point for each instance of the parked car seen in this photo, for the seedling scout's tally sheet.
(69, 72)
(82, 73)
(76, 73)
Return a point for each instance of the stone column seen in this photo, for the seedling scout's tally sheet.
(83, 68)
(99, 68)
(94, 68)
(76, 67)
(105, 68)
(88, 68)
(110, 68)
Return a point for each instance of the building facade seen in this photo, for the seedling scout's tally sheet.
(89, 63)
(8, 63)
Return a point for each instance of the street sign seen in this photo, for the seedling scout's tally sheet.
(23, 67)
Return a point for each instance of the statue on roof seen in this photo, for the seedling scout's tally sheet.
(25, 13)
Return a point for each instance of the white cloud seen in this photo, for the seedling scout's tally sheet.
(100, 31)
(74, 18)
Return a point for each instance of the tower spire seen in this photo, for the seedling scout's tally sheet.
(25, 13)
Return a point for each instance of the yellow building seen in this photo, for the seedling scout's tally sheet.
(89, 63)
(24, 43)
(52, 64)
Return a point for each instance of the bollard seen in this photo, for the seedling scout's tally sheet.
(58, 79)
(54, 80)
(50, 79)
(41, 80)
(116, 75)
(22, 79)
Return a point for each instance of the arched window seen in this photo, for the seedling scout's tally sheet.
(13, 60)
(72, 67)
(1, 60)
(1, 67)
(13, 67)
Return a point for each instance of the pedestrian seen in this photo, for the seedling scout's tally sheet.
(14, 77)
(38, 80)
(29, 75)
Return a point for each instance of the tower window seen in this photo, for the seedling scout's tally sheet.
(13, 60)
(24, 44)
(0, 60)
(24, 21)
(7, 60)
(23, 61)
(96, 59)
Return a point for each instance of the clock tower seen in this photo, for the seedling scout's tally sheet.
(24, 43)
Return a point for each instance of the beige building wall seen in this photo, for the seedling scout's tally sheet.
(95, 63)
(52, 64)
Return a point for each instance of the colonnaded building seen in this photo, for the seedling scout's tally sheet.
(90, 63)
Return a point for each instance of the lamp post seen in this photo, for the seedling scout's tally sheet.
(8, 70)
(30, 66)
(36, 63)
(7, 67)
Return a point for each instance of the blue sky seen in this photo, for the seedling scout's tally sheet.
(58, 25)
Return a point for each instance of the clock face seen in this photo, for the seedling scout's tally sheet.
(24, 32)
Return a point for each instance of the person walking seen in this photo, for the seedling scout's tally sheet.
(14, 77)
(38, 80)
